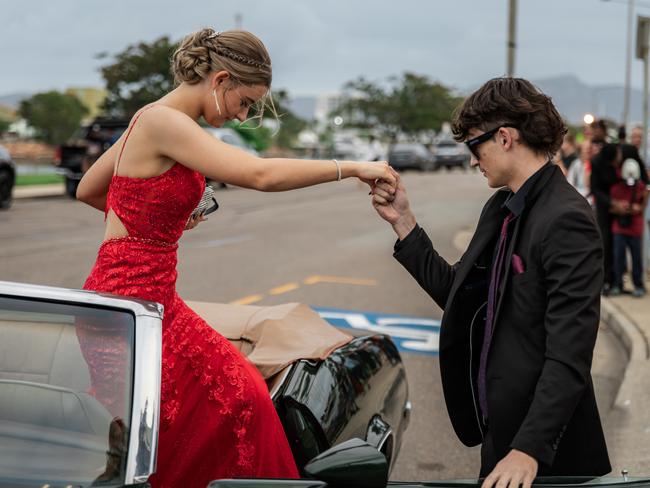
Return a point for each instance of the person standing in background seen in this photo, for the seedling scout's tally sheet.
(603, 176)
(575, 168)
(629, 198)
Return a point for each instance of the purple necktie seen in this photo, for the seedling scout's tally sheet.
(497, 270)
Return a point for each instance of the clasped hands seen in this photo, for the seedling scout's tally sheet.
(621, 207)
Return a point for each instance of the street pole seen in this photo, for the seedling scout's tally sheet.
(628, 64)
(642, 40)
(645, 106)
(512, 36)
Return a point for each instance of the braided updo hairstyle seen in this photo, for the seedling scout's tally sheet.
(238, 52)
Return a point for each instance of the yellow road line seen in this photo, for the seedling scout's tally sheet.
(278, 290)
(248, 300)
(312, 280)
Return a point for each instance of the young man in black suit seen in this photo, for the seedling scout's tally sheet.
(521, 307)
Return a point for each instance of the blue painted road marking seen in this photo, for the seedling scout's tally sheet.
(410, 334)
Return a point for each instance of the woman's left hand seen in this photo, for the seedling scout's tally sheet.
(372, 173)
(194, 222)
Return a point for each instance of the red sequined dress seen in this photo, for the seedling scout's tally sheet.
(217, 419)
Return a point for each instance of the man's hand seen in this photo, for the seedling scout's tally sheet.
(514, 470)
(394, 207)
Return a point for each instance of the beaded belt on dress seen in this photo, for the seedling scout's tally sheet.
(142, 240)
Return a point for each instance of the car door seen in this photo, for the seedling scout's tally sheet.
(79, 387)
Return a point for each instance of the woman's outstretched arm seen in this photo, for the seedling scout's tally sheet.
(178, 137)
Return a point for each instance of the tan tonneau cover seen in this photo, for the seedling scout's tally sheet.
(275, 336)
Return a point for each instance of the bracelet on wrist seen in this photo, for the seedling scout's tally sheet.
(338, 170)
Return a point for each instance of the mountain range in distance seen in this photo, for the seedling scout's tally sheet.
(572, 96)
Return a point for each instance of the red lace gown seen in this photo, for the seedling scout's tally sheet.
(217, 418)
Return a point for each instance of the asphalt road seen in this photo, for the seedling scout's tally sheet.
(323, 246)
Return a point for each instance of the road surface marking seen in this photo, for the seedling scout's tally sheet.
(279, 290)
(410, 334)
(341, 280)
(248, 300)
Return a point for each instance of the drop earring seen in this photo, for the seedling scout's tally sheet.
(214, 93)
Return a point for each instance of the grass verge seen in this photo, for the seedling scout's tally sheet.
(36, 179)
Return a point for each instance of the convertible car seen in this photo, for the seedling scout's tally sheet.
(55, 430)
(343, 400)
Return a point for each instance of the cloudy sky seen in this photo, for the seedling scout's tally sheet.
(317, 45)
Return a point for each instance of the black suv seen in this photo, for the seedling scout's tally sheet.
(7, 178)
(90, 141)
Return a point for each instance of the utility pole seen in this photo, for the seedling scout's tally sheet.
(628, 64)
(642, 41)
(512, 36)
(239, 21)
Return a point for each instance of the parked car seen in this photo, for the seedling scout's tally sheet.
(87, 144)
(411, 155)
(346, 144)
(7, 178)
(55, 432)
(450, 154)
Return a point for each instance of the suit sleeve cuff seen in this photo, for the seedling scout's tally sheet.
(542, 453)
(408, 240)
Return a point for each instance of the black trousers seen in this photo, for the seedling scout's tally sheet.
(604, 219)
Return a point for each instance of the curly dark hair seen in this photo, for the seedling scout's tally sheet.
(513, 102)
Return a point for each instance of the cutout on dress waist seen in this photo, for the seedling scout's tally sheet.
(115, 229)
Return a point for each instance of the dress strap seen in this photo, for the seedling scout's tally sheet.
(128, 134)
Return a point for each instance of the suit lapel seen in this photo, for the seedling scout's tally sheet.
(531, 198)
(489, 225)
(508, 262)
(486, 229)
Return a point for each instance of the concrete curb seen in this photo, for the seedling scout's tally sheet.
(628, 332)
(627, 424)
(39, 191)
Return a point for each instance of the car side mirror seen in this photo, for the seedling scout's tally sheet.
(353, 463)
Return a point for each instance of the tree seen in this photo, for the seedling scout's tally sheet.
(139, 75)
(258, 138)
(409, 104)
(290, 124)
(53, 114)
(4, 125)
(261, 137)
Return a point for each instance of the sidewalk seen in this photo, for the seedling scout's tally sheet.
(627, 425)
(38, 191)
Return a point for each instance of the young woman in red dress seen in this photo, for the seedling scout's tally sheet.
(217, 419)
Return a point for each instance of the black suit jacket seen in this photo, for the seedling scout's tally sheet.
(539, 388)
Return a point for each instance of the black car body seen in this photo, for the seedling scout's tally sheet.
(7, 178)
(450, 154)
(368, 400)
(55, 431)
(87, 144)
(411, 155)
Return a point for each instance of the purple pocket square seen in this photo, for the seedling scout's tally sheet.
(517, 264)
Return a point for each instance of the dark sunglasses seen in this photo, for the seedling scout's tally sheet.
(474, 143)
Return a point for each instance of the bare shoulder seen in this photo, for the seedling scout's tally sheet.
(170, 130)
(164, 118)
